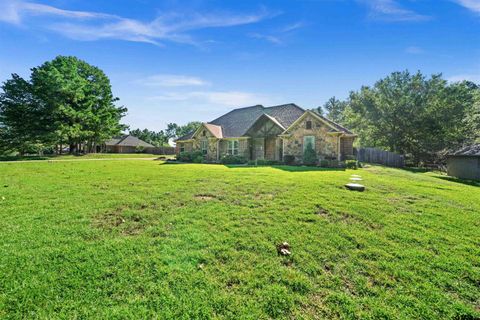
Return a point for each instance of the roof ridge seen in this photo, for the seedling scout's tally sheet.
(123, 138)
(286, 104)
(223, 115)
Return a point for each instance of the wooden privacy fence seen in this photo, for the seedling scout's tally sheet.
(386, 158)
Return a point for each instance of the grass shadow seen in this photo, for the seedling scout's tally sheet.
(474, 183)
(286, 168)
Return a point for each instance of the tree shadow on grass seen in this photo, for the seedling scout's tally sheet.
(285, 168)
(474, 183)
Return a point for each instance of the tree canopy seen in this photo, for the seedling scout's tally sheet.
(174, 130)
(65, 101)
(411, 114)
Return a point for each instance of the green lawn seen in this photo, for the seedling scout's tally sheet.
(83, 157)
(144, 239)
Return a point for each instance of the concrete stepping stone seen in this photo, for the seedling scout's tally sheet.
(355, 176)
(356, 179)
(355, 187)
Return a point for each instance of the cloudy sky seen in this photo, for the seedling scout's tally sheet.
(177, 61)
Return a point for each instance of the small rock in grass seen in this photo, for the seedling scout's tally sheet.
(355, 187)
(356, 179)
(284, 249)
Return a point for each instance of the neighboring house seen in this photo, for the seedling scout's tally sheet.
(465, 163)
(126, 144)
(270, 133)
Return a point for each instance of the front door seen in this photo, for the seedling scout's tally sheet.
(258, 149)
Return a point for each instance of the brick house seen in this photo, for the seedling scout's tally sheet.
(269, 133)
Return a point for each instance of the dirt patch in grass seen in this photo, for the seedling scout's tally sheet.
(121, 222)
(205, 197)
(320, 210)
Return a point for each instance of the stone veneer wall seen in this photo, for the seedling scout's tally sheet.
(346, 146)
(243, 148)
(325, 145)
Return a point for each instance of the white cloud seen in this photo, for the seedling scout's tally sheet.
(462, 77)
(221, 98)
(13, 11)
(266, 37)
(82, 25)
(390, 10)
(172, 80)
(414, 50)
(473, 5)
(294, 26)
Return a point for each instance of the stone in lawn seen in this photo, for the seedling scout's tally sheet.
(355, 187)
(283, 249)
(356, 176)
(356, 179)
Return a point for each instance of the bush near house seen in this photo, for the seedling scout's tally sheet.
(231, 159)
(139, 149)
(352, 164)
(190, 156)
(309, 156)
(289, 159)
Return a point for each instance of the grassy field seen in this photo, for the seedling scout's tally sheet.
(145, 239)
(82, 157)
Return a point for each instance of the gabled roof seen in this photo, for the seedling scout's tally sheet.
(237, 122)
(214, 129)
(334, 127)
(472, 151)
(128, 141)
(187, 136)
(334, 124)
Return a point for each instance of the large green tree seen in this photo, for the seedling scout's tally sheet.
(174, 130)
(79, 100)
(66, 101)
(334, 109)
(22, 125)
(412, 114)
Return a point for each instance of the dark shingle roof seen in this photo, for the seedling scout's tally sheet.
(238, 121)
(128, 141)
(187, 136)
(473, 150)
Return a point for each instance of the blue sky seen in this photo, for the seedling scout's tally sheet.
(177, 61)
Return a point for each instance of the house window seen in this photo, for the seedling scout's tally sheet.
(308, 140)
(204, 146)
(204, 133)
(232, 147)
(308, 125)
(182, 148)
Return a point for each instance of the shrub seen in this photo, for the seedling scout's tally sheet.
(309, 156)
(324, 163)
(198, 159)
(139, 149)
(289, 159)
(352, 164)
(189, 156)
(231, 159)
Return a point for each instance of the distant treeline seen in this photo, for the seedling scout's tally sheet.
(162, 137)
(422, 118)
